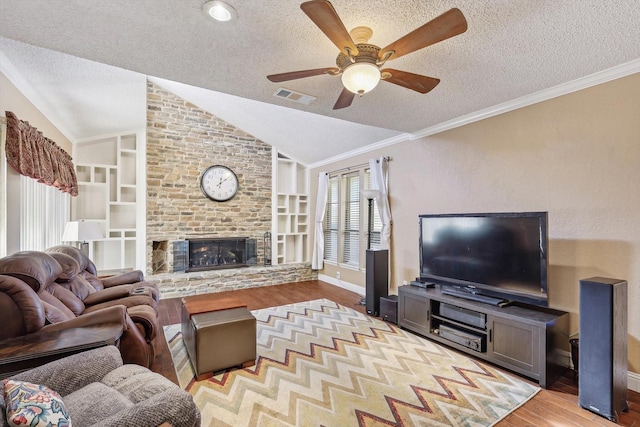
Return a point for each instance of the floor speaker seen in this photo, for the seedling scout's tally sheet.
(377, 279)
(389, 308)
(602, 375)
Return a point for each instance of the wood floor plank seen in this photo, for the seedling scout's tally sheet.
(557, 406)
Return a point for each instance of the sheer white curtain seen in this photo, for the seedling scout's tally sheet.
(379, 172)
(317, 260)
(44, 211)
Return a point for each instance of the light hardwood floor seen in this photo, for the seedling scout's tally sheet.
(554, 407)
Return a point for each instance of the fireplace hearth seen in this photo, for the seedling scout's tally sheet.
(213, 253)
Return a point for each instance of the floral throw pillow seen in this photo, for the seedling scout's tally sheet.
(34, 405)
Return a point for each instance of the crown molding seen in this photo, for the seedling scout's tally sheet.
(14, 76)
(594, 79)
(363, 150)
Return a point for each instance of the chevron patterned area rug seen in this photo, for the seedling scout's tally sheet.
(323, 364)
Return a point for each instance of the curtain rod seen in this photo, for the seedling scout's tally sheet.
(348, 168)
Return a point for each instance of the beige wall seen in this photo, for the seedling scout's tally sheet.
(576, 156)
(11, 99)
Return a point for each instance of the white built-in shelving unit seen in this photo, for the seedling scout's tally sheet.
(291, 211)
(111, 191)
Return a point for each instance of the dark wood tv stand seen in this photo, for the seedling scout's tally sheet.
(524, 339)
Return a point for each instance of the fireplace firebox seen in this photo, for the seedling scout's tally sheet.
(213, 253)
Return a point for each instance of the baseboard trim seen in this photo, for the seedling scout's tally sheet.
(633, 382)
(342, 284)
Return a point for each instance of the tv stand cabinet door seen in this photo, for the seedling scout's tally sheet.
(413, 312)
(516, 345)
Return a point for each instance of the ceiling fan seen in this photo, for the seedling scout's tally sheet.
(360, 63)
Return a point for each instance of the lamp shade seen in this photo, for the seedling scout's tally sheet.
(361, 77)
(371, 193)
(81, 231)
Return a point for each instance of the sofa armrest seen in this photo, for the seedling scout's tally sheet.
(130, 301)
(147, 318)
(73, 372)
(123, 279)
(108, 294)
(113, 314)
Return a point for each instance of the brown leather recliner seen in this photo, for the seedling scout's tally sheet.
(131, 281)
(37, 271)
(71, 279)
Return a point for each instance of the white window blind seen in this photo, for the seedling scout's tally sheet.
(44, 213)
(331, 221)
(351, 223)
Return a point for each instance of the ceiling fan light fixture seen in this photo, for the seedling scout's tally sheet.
(361, 77)
(219, 10)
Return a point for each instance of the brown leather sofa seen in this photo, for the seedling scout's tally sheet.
(125, 282)
(72, 279)
(35, 303)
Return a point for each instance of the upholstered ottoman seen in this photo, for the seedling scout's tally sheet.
(218, 333)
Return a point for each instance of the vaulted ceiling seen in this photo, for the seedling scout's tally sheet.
(86, 63)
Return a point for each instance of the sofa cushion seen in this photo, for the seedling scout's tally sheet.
(136, 382)
(61, 313)
(95, 402)
(70, 267)
(36, 269)
(34, 405)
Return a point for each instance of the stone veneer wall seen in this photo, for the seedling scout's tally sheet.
(182, 141)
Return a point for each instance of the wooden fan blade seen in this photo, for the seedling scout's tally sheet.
(283, 77)
(322, 13)
(417, 82)
(344, 100)
(449, 24)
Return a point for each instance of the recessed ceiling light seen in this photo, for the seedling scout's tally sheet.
(219, 10)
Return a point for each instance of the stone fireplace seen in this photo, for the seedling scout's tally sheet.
(182, 141)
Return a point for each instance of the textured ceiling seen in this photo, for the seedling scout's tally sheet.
(513, 48)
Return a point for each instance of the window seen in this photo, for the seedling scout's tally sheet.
(346, 219)
(44, 213)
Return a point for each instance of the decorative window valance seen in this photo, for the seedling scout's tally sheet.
(32, 154)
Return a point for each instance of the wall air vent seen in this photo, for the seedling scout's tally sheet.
(294, 96)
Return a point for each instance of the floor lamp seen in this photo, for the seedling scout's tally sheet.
(82, 231)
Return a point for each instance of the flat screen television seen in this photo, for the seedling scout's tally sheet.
(490, 255)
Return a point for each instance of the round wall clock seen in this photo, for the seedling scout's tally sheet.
(219, 183)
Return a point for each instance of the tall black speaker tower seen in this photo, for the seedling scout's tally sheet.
(603, 347)
(377, 278)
